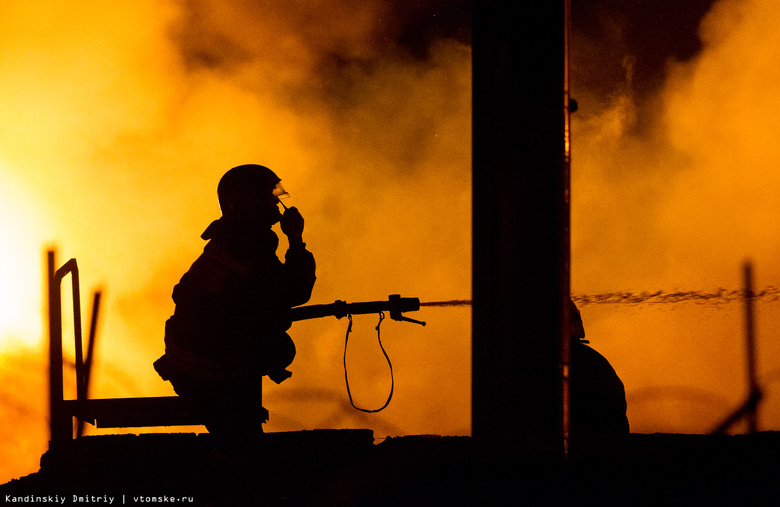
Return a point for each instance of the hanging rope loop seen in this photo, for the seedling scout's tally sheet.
(346, 377)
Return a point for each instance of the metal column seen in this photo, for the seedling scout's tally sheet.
(520, 223)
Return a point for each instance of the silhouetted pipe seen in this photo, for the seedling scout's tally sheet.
(749, 408)
(395, 304)
(57, 414)
(520, 224)
(88, 359)
(750, 349)
(61, 423)
(91, 343)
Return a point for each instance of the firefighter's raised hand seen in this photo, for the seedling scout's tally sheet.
(292, 225)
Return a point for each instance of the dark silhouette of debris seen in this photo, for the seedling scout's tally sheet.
(345, 467)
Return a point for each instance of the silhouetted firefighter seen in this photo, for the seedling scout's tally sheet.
(232, 310)
(598, 398)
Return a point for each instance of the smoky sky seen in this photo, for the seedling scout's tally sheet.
(674, 186)
(325, 61)
(607, 35)
(615, 41)
(119, 118)
(335, 35)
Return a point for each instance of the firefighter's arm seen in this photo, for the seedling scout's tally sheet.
(292, 226)
(299, 263)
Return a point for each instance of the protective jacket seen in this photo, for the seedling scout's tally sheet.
(597, 403)
(232, 307)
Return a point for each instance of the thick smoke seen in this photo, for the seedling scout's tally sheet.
(119, 120)
(674, 189)
(379, 124)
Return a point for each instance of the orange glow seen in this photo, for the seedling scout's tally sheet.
(679, 204)
(22, 231)
(119, 119)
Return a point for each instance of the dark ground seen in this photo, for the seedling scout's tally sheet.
(345, 467)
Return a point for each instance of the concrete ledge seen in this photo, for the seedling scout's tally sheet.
(346, 467)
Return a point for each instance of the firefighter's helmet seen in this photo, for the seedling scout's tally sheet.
(245, 188)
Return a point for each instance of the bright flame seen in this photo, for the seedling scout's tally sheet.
(21, 231)
(122, 116)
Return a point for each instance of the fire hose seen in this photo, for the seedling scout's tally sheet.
(395, 305)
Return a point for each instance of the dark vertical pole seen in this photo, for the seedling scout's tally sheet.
(91, 343)
(749, 409)
(88, 359)
(520, 224)
(750, 348)
(565, 281)
(59, 423)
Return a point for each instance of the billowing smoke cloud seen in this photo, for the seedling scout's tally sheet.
(118, 121)
(119, 118)
(673, 191)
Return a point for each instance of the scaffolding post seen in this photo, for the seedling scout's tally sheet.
(61, 429)
(750, 350)
(520, 224)
(61, 423)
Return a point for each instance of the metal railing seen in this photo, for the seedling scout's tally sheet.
(148, 411)
(102, 413)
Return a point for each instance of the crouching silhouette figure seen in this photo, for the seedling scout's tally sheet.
(598, 422)
(232, 310)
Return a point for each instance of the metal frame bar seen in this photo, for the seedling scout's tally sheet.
(149, 411)
(103, 413)
(61, 424)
